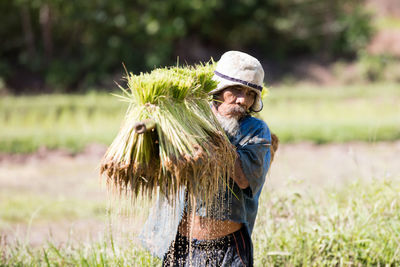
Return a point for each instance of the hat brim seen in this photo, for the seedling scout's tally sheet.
(223, 84)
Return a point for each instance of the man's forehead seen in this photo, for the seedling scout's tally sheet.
(238, 87)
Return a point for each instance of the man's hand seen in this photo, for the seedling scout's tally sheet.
(238, 175)
(274, 145)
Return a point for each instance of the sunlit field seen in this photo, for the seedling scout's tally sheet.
(331, 198)
(322, 205)
(358, 225)
(58, 121)
(321, 115)
(334, 114)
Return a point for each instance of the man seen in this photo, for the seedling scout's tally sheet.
(224, 238)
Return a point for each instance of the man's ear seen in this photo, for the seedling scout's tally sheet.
(216, 99)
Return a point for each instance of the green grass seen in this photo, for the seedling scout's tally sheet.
(22, 208)
(357, 225)
(58, 121)
(97, 253)
(323, 115)
(319, 115)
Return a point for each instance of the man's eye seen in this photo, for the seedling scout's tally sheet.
(251, 93)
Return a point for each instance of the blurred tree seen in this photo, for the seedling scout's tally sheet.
(70, 45)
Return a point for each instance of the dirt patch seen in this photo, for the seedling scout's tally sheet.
(45, 154)
(385, 42)
(310, 167)
(385, 7)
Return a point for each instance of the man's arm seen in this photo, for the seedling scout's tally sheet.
(238, 175)
(254, 151)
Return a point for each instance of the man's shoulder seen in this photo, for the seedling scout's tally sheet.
(255, 127)
(255, 123)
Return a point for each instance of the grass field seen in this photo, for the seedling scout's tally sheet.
(332, 204)
(320, 115)
(356, 226)
(58, 121)
(322, 205)
(323, 115)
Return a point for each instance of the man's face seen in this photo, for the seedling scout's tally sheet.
(235, 101)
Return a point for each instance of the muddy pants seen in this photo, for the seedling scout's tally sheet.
(232, 250)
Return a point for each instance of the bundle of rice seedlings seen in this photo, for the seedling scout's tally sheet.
(186, 147)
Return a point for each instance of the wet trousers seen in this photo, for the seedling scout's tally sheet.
(232, 250)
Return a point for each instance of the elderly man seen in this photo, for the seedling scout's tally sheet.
(223, 239)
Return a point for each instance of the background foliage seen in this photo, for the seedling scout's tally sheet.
(69, 45)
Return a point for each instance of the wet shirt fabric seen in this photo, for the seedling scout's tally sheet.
(252, 143)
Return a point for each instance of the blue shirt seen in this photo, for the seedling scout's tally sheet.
(253, 143)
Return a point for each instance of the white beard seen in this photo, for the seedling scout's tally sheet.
(230, 125)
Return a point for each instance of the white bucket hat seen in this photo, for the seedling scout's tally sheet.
(238, 68)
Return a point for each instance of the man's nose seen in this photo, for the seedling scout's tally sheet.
(240, 99)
